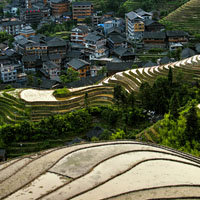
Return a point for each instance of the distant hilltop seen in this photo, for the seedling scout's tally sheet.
(185, 17)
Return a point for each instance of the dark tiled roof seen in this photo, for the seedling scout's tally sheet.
(47, 83)
(56, 42)
(54, 56)
(114, 29)
(132, 15)
(30, 58)
(76, 45)
(176, 33)
(73, 54)
(85, 81)
(11, 23)
(154, 35)
(93, 37)
(165, 60)
(81, 3)
(116, 39)
(22, 41)
(51, 64)
(150, 64)
(84, 29)
(77, 63)
(187, 52)
(119, 66)
(143, 13)
(149, 22)
(10, 52)
(139, 10)
(121, 51)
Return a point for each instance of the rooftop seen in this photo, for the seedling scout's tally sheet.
(77, 63)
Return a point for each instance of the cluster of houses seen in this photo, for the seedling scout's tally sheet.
(107, 41)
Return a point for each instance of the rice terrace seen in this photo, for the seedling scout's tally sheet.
(33, 104)
(140, 172)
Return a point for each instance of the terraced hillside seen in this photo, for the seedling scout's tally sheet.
(109, 170)
(185, 17)
(12, 108)
(36, 104)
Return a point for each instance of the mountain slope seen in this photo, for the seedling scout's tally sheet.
(185, 17)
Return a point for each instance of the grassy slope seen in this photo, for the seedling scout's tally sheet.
(185, 17)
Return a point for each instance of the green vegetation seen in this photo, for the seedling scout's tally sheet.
(69, 76)
(60, 93)
(54, 29)
(185, 18)
(5, 36)
(122, 7)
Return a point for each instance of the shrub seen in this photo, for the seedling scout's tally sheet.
(61, 92)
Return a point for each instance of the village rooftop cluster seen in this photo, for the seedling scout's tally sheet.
(97, 45)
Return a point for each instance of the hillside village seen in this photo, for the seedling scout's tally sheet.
(93, 43)
(99, 99)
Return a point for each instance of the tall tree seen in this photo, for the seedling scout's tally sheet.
(192, 129)
(174, 105)
(70, 76)
(170, 76)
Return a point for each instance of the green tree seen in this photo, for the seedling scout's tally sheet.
(170, 76)
(120, 95)
(174, 105)
(145, 96)
(192, 129)
(30, 79)
(39, 82)
(131, 99)
(70, 76)
(86, 100)
(118, 135)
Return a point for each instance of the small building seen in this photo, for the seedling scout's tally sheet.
(175, 46)
(153, 26)
(113, 67)
(31, 62)
(115, 41)
(154, 40)
(187, 52)
(112, 22)
(95, 45)
(57, 45)
(81, 10)
(124, 54)
(11, 26)
(27, 31)
(145, 15)
(8, 73)
(31, 15)
(82, 66)
(51, 70)
(177, 37)
(78, 33)
(59, 7)
(134, 26)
